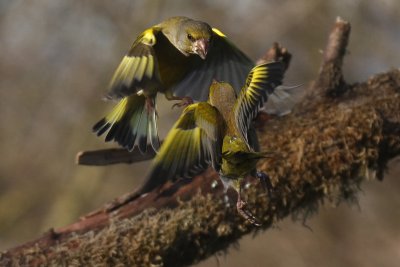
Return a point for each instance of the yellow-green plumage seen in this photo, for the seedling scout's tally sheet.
(178, 57)
(217, 133)
(237, 159)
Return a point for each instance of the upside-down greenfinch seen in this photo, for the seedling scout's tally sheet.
(217, 133)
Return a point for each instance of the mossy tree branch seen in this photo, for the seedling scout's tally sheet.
(329, 145)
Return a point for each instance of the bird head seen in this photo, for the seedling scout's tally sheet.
(193, 37)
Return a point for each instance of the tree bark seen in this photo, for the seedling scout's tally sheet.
(337, 137)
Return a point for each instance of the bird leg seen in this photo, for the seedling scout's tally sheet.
(184, 101)
(150, 106)
(265, 182)
(245, 213)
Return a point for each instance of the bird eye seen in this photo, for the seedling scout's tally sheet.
(190, 37)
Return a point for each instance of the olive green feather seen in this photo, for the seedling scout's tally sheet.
(193, 144)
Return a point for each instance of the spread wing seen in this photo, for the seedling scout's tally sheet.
(192, 145)
(224, 62)
(261, 82)
(138, 68)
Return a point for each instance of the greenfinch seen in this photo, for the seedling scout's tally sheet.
(178, 57)
(218, 133)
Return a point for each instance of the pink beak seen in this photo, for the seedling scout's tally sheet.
(200, 47)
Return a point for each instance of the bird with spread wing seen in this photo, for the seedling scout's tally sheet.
(218, 133)
(178, 57)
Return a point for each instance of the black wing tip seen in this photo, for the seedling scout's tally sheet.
(277, 66)
(101, 127)
(142, 144)
(275, 71)
(115, 133)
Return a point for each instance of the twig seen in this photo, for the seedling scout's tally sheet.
(330, 79)
(113, 156)
(276, 53)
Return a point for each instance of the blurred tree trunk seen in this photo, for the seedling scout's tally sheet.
(337, 137)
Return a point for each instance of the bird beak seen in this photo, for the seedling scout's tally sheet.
(200, 47)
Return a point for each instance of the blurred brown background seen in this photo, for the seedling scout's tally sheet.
(57, 58)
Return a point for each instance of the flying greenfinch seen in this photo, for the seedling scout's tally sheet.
(178, 57)
(217, 133)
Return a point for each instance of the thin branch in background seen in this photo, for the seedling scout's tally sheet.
(113, 156)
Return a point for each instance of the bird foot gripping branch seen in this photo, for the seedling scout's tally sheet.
(245, 213)
(241, 205)
(266, 183)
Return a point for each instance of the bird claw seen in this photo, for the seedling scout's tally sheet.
(266, 183)
(246, 214)
(185, 101)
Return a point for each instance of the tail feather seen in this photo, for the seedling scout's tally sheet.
(142, 128)
(130, 124)
(153, 132)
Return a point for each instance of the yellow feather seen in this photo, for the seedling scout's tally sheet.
(218, 32)
(117, 113)
(148, 37)
(125, 73)
(150, 67)
(135, 64)
(141, 68)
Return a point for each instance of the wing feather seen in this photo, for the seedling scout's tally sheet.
(261, 82)
(192, 145)
(138, 68)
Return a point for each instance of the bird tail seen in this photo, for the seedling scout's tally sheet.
(130, 123)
